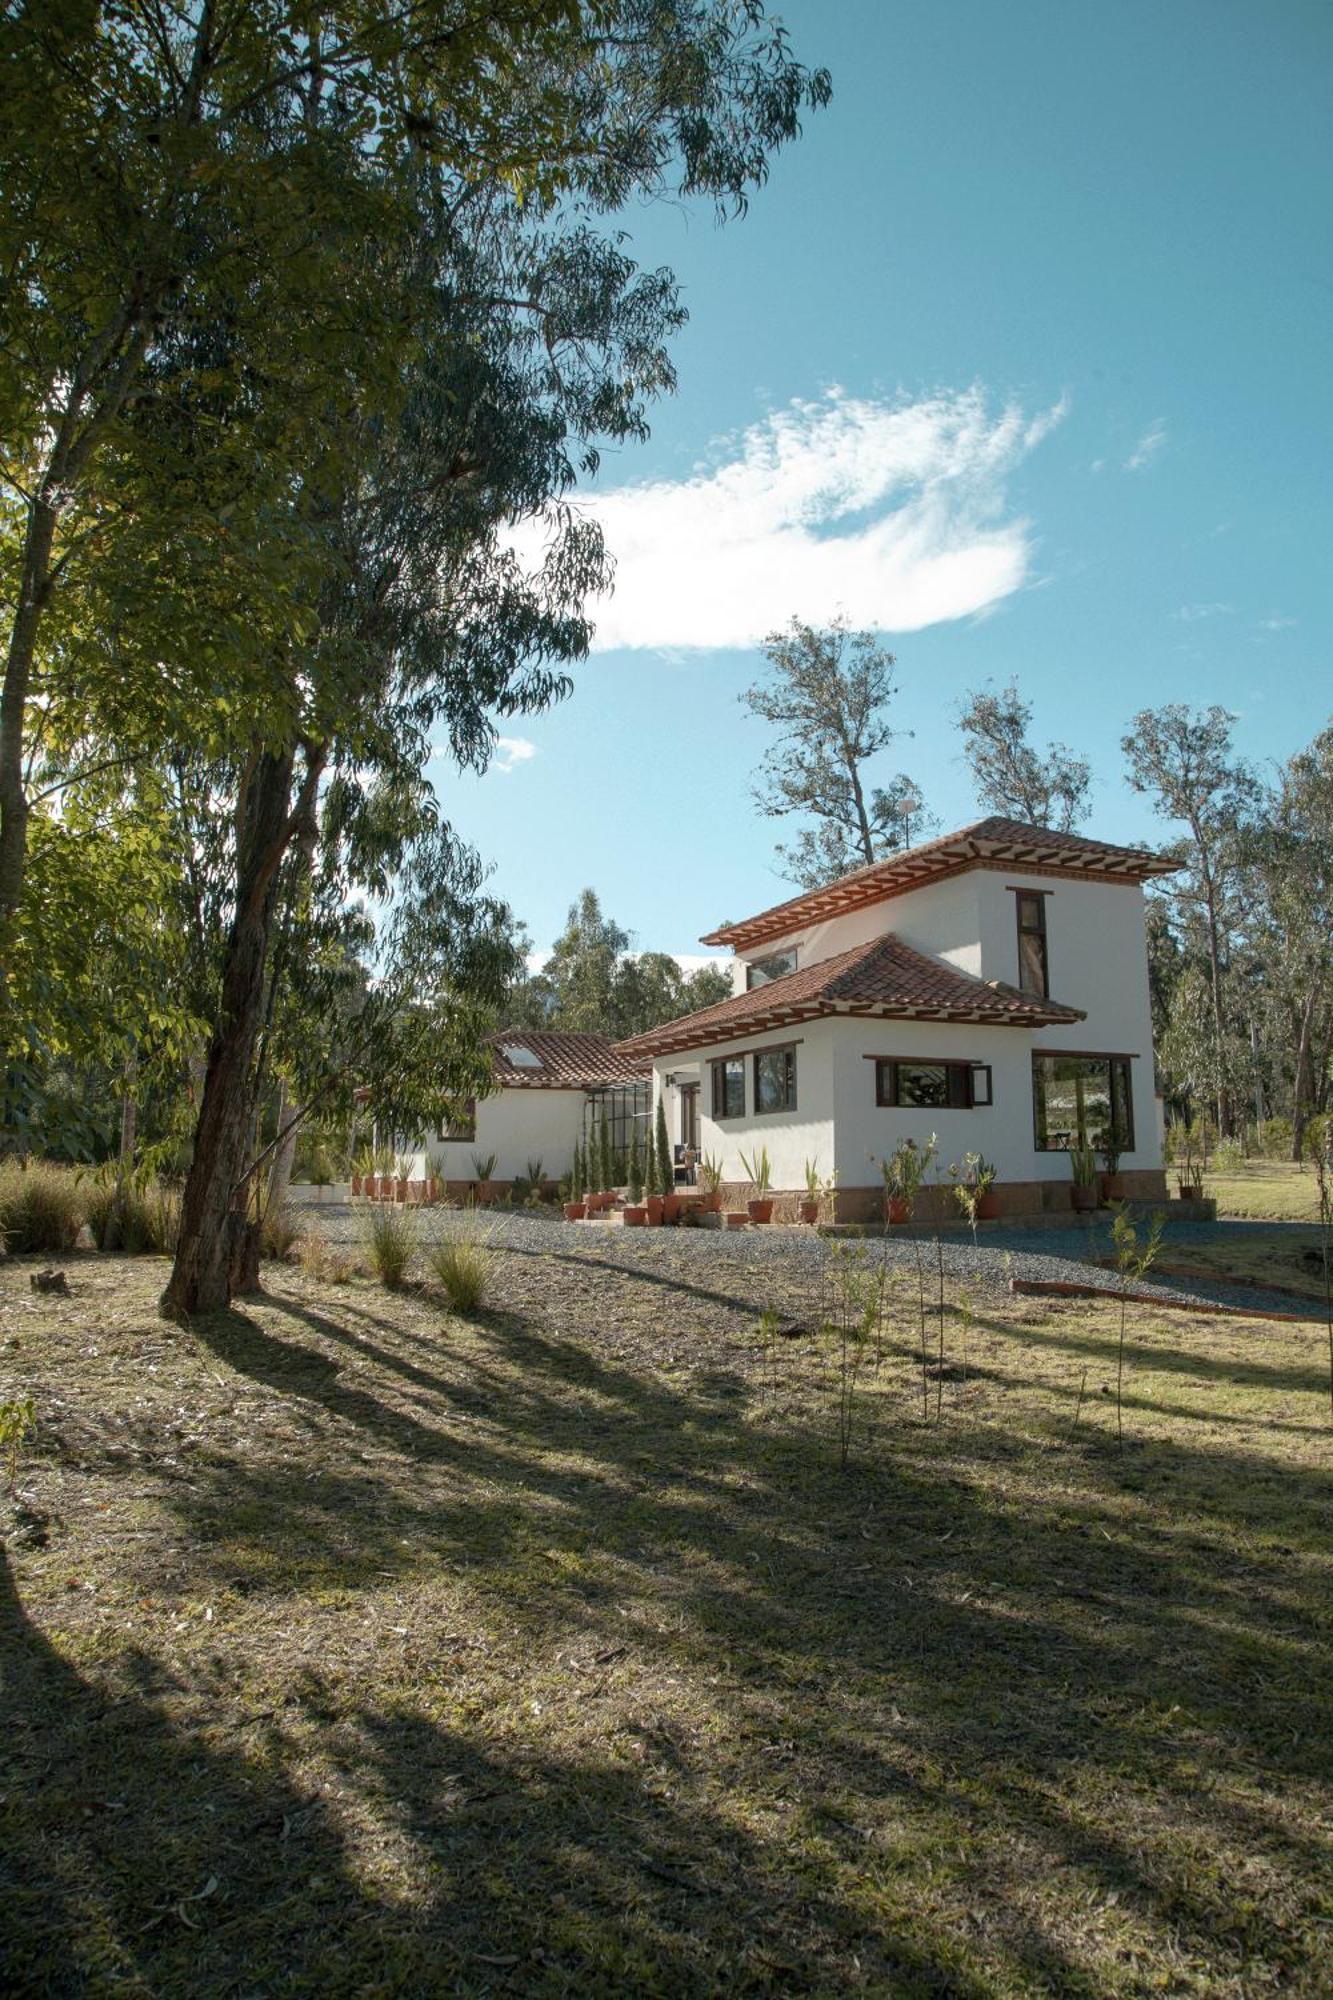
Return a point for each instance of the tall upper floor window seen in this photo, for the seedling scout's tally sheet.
(777, 965)
(1033, 970)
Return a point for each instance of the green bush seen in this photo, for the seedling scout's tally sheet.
(389, 1234)
(42, 1207)
(145, 1221)
(277, 1233)
(463, 1265)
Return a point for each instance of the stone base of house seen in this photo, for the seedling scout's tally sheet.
(936, 1204)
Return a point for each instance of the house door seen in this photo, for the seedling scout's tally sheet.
(689, 1115)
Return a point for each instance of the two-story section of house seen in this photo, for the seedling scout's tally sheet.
(989, 989)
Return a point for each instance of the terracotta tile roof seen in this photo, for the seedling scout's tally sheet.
(987, 843)
(884, 978)
(563, 1061)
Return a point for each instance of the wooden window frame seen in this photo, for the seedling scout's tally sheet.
(1126, 1139)
(793, 952)
(787, 1049)
(718, 1095)
(465, 1135)
(978, 1092)
(1038, 931)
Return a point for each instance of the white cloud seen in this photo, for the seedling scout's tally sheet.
(1278, 624)
(510, 752)
(890, 513)
(1147, 448)
(1190, 614)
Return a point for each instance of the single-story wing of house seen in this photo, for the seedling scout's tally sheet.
(988, 988)
(552, 1089)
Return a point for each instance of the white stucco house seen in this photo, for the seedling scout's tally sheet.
(549, 1088)
(989, 987)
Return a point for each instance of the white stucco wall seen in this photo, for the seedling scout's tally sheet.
(1097, 956)
(791, 1137)
(518, 1126)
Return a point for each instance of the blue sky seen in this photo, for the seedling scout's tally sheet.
(1023, 357)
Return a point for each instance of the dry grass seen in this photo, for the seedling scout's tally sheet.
(352, 1651)
(1280, 1259)
(1266, 1191)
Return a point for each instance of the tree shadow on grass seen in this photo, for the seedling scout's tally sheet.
(789, 1833)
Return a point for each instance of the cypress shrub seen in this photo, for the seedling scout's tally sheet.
(666, 1183)
(634, 1177)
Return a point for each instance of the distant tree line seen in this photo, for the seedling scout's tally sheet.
(1240, 939)
(595, 983)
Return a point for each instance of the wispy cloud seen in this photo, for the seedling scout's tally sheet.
(1278, 624)
(892, 513)
(1147, 448)
(1190, 614)
(510, 752)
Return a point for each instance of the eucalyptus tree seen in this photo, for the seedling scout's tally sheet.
(1013, 778)
(217, 164)
(534, 338)
(828, 695)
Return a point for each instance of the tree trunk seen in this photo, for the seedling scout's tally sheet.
(1302, 1090)
(280, 1172)
(33, 588)
(212, 1225)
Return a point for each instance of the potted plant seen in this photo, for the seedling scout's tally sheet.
(483, 1166)
(402, 1177)
(363, 1169)
(653, 1195)
(808, 1207)
(974, 1182)
(902, 1174)
(666, 1168)
(384, 1173)
(605, 1165)
(635, 1212)
(758, 1170)
(1083, 1166)
(1113, 1186)
(575, 1206)
(710, 1180)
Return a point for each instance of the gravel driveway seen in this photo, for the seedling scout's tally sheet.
(737, 1257)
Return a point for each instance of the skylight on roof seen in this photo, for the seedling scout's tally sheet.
(519, 1058)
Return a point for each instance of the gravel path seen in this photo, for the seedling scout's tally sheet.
(723, 1259)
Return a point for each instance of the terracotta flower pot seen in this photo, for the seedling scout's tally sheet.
(711, 1204)
(654, 1208)
(635, 1217)
(737, 1218)
(899, 1210)
(401, 1186)
(575, 1211)
(488, 1193)
(1113, 1187)
(1082, 1199)
(988, 1206)
(809, 1211)
(356, 1184)
(671, 1208)
(761, 1209)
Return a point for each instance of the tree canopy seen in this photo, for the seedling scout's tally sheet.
(828, 695)
(1009, 775)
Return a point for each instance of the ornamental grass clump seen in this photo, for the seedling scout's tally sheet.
(137, 1217)
(42, 1207)
(463, 1266)
(389, 1235)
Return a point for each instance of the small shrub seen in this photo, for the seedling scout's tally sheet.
(1230, 1154)
(18, 1417)
(390, 1237)
(277, 1233)
(321, 1260)
(42, 1207)
(463, 1266)
(142, 1218)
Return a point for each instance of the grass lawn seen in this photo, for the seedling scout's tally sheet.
(1266, 1191)
(1278, 1259)
(353, 1649)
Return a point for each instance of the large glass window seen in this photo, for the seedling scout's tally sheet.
(760, 971)
(932, 1086)
(1033, 971)
(462, 1126)
(775, 1080)
(729, 1087)
(1082, 1101)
